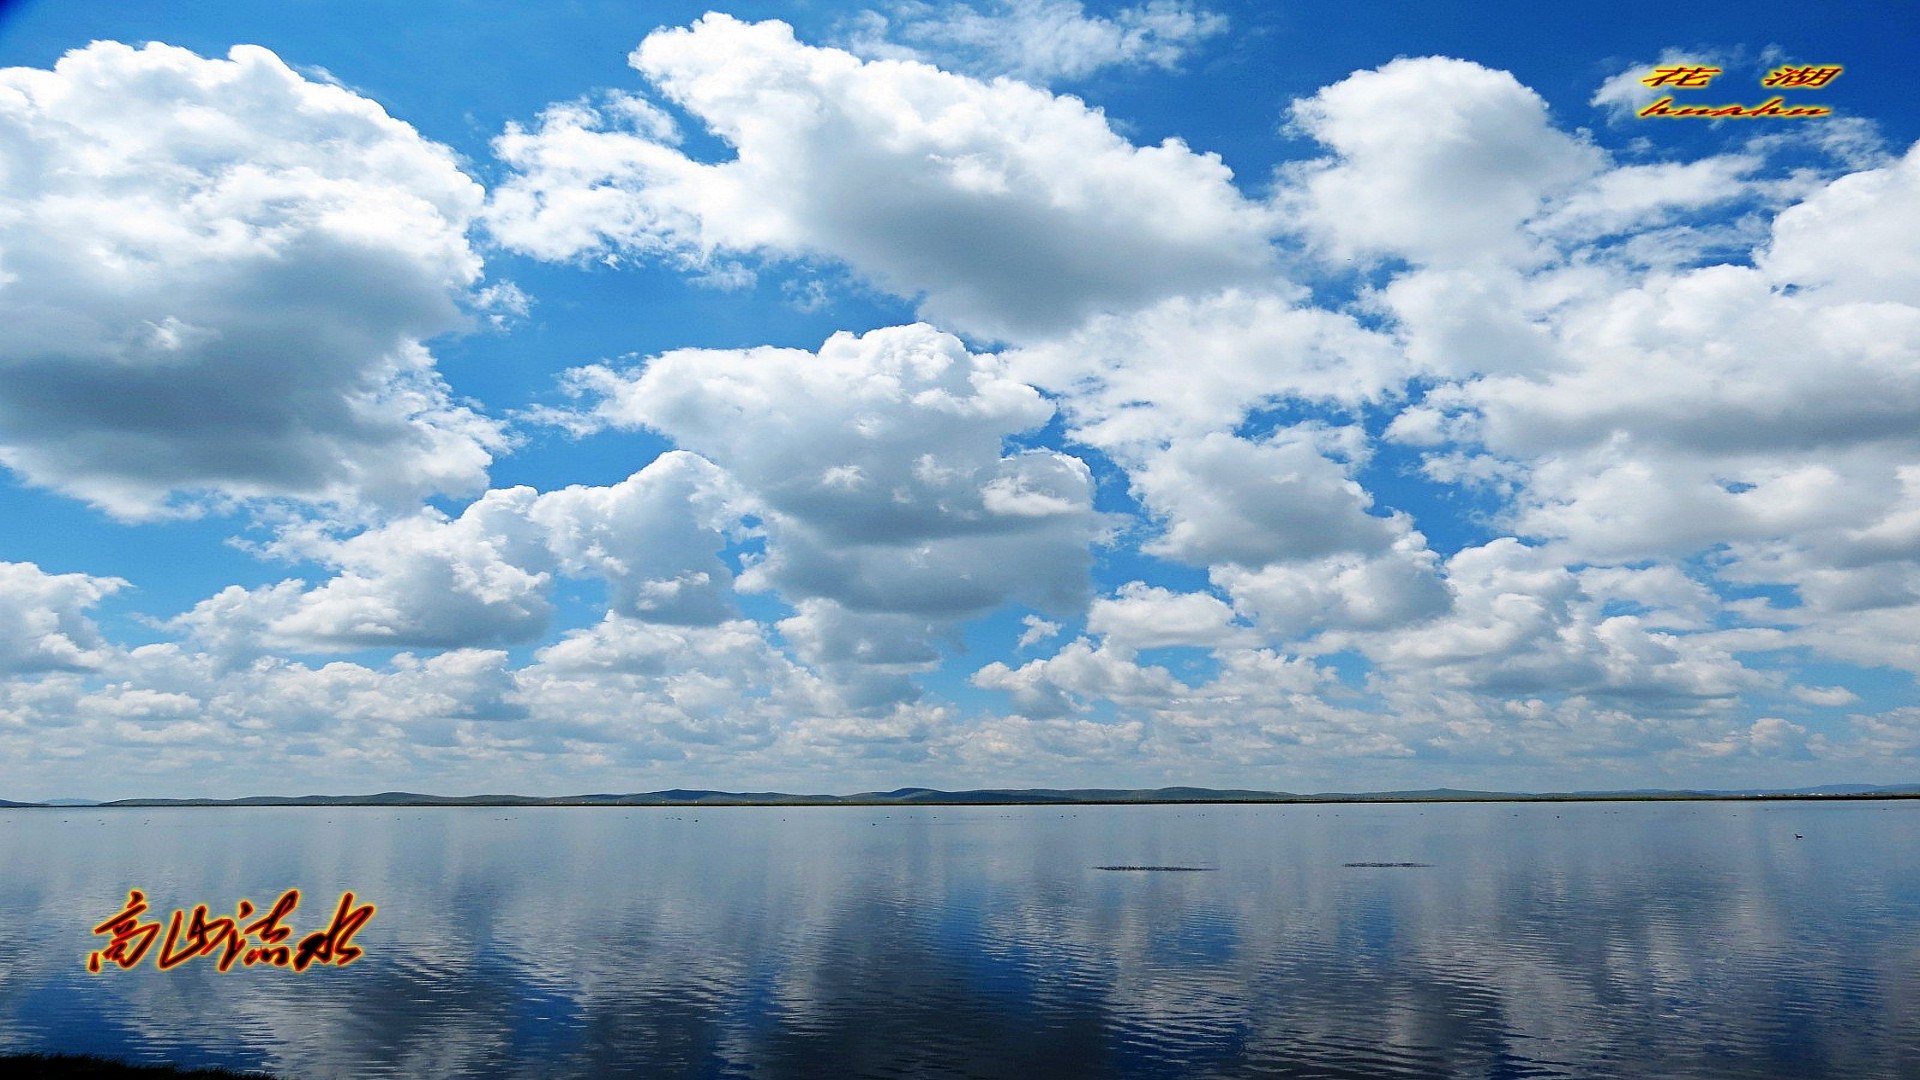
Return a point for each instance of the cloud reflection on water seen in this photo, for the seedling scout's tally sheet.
(1577, 940)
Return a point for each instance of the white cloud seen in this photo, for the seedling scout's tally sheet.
(1664, 596)
(886, 509)
(218, 275)
(640, 690)
(182, 722)
(1141, 616)
(1036, 40)
(870, 657)
(1703, 408)
(1004, 209)
(654, 538)
(1826, 696)
(1760, 415)
(1456, 321)
(43, 622)
(1192, 365)
(1078, 673)
(1392, 590)
(1037, 630)
(1769, 736)
(1890, 736)
(877, 468)
(1856, 239)
(1663, 396)
(429, 581)
(1437, 161)
(1259, 707)
(1008, 747)
(1521, 624)
(1230, 500)
(1638, 198)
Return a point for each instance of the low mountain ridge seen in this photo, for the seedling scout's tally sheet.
(911, 796)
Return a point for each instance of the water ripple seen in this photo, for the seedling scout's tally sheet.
(1599, 941)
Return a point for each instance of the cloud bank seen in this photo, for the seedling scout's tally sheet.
(216, 278)
(1470, 446)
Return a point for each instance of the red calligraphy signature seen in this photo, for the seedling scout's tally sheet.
(265, 940)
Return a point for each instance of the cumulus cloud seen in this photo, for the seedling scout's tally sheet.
(1699, 408)
(1856, 239)
(1677, 395)
(216, 276)
(654, 538)
(871, 657)
(1396, 589)
(1256, 707)
(1769, 736)
(1080, 672)
(1638, 198)
(626, 688)
(1522, 624)
(871, 478)
(878, 466)
(1437, 161)
(1732, 378)
(876, 469)
(1035, 40)
(1141, 616)
(179, 717)
(423, 581)
(605, 704)
(1190, 365)
(1003, 209)
(484, 577)
(43, 621)
(1037, 630)
(1226, 499)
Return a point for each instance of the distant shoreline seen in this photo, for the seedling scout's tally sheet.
(991, 797)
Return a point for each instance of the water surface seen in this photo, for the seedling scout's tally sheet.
(1578, 940)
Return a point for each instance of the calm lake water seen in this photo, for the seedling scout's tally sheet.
(1578, 940)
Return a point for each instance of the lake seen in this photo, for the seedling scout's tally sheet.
(1531, 940)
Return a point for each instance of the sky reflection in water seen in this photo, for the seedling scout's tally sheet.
(1540, 940)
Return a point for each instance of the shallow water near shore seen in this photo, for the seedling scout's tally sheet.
(1412, 940)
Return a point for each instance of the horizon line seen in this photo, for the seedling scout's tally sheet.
(921, 796)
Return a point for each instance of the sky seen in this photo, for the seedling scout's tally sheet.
(472, 397)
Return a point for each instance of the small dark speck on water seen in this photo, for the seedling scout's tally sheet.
(1169, 869)
(1393, 864)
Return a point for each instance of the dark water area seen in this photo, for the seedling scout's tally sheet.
(1477, 940)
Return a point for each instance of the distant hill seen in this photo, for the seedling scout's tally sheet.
(918, 796)
(1431, 795)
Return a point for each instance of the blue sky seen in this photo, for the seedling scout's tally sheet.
(482, 397)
